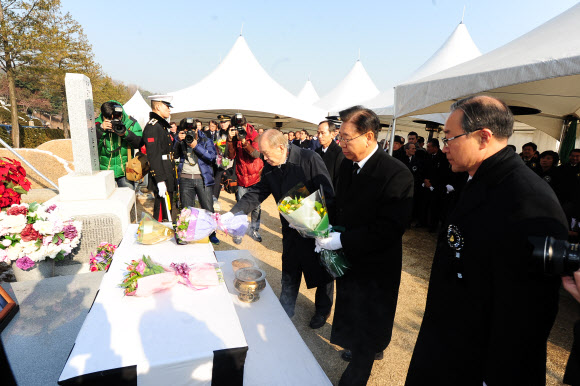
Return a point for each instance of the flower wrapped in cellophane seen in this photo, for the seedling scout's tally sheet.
(221, 159)
(194, 224)
(144, 277)
(308, 214)
(151, 231)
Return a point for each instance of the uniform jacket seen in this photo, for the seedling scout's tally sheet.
(158, 143)
(436, 170)
(113, 150)
(374, 207)
(248, 166)
(206, 154)
(332, 158)
(301, 166)
(490, 310)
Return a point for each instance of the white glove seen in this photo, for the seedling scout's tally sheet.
(450, 189)
(331, 243)
(431, 188)
(226, 217)
(162, 189)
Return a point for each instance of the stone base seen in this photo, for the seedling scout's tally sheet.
(98, 186)
(120, 203)
(42, 270)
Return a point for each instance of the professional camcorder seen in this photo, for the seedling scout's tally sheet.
(117, 123)
(238, 122)
(558, 257)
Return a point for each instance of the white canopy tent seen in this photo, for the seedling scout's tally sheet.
(308, 94)
(540, 69)
(138, 108)
(251, 91)
(458, 48)
(354, 89)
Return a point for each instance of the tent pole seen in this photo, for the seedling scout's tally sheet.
(562, 134)
(393, 126)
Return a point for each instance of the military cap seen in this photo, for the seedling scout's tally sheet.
(223, 117)
(166, 99)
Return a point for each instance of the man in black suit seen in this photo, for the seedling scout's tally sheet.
(415, 165)
(488, 312)
(398, 149)
(435, 178)
(373, 202)
(330, 152)
(285, 167)
(302, 140)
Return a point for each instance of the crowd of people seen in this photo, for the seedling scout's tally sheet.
(488, 315)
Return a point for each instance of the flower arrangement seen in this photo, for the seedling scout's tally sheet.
(14, 182)
(221, 159)
(150, 231)
(101, 260)
(32, 232)
(144, 277)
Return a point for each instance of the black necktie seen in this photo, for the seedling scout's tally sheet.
(355, 169)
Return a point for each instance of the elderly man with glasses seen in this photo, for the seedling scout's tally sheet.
(488, 312)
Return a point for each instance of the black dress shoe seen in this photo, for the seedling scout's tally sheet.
(347, 356)
(318, 320)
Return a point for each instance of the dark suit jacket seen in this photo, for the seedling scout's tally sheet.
(332, 158)
(374, 207)
(301, 166)
(489, 312)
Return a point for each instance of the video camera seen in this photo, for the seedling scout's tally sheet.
(238, 122)
(558, 257)
(116, 121)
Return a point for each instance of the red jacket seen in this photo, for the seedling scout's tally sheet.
(248, 168)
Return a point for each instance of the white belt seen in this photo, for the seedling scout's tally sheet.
(165, 157)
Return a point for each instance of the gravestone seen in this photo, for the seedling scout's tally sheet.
(89, 190)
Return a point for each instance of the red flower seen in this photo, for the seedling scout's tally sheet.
(94, 268)
(29, 233)
(16, 210)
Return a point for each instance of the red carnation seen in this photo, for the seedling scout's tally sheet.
(29, 233)
(16, 210)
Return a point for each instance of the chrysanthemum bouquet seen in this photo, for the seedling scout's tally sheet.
(194, 224)
(32, 232)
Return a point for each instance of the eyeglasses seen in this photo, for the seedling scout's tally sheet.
(346, 141)
(447, 140)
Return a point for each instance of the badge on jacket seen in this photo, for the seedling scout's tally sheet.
(454, 237)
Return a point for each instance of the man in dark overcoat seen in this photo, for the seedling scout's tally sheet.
(329, 150)
(489, 309)
(373, 203)
(159, 147)
(286, 166)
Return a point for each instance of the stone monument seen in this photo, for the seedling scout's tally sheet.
(89, 191)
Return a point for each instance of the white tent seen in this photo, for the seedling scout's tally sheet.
(138, 108)
(457, 49)
(308, 94)
(540, 69)
(354, 89)
(240, 84)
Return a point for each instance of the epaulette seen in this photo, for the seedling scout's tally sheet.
(152, 121)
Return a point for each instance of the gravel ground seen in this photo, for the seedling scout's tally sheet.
(418, 248)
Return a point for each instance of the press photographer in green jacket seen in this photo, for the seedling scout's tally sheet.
(116, 132)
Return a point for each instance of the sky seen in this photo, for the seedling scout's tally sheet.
(164, 46)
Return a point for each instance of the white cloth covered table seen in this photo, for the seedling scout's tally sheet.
(170, 338)
(277, 355)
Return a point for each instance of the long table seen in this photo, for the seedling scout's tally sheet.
(179, 336)
(176, 337)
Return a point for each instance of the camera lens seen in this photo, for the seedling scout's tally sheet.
(190, 136)
(558, 257)
(118, 127)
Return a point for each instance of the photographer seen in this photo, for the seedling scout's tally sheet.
(196, 155)
(242, 146)
(117, 132)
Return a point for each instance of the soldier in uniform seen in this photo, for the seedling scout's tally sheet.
(159, 146)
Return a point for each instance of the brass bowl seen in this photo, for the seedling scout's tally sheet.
(249, 282)
(242, 263)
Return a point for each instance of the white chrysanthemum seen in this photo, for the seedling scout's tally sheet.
(44, 227)
(14, 252)
(28, 247)
(12, 224)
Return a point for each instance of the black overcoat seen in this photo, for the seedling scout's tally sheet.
(159, 145)
(490, 310)
(374, 207)
(301, 166)
(332, 158)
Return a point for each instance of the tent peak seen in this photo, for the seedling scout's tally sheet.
(462, 15)
(242, 30)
